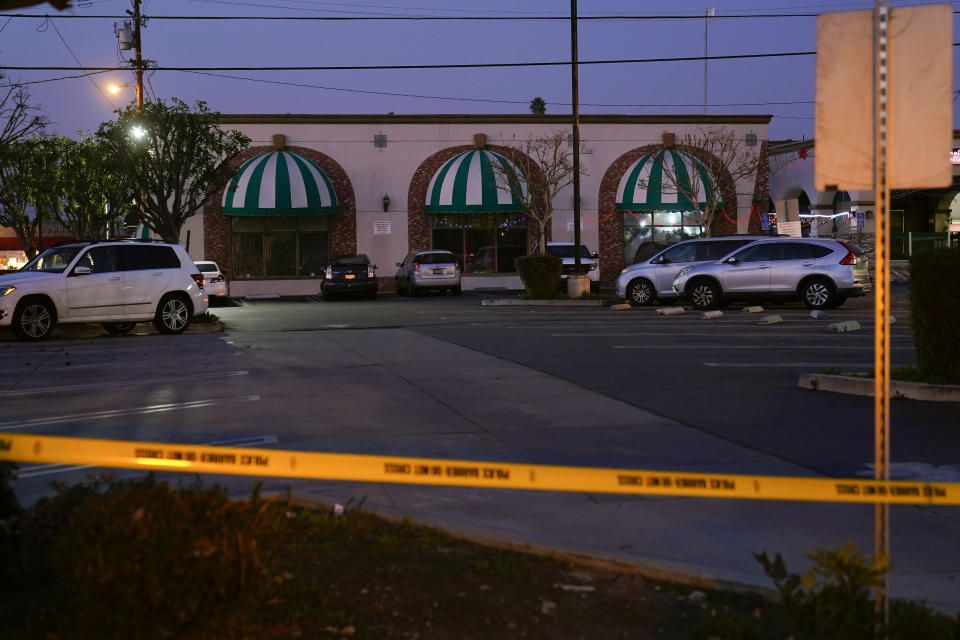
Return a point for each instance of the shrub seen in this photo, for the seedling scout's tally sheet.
(540, 274)
(832, 601)
(10, 515)
(935, 311)
(144, 560)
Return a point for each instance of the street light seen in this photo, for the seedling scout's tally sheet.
(113, 87)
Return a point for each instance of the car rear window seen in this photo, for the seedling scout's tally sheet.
(136, 257)
(359, 260)
(566, 251)
(207, 267)
(803, 251)
(435, 258)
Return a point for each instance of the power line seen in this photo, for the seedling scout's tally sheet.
(490, 100)
(397, 67)
(414, 18)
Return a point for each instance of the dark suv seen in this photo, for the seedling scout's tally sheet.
(349, 274)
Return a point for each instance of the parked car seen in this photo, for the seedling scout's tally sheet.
(650, 280)
(116, 283)
(213, 281)
(434, 269)
(589, 261)
(349, 275)
(822, 273)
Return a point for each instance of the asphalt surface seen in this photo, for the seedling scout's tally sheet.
(444, 377)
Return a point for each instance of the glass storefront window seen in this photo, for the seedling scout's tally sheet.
(660, 227)
(280, 246)
(483, 243)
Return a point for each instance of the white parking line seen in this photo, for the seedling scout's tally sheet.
(113, 384)
(35, 471)
(832, 347)
(759, 333)
(788, 364)
(115, 413)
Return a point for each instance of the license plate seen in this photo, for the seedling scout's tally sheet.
(438, 272)
(349, 276)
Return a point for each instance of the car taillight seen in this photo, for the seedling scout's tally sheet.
(850, 258)
(416, 267)
(217, 278)
(198, 278)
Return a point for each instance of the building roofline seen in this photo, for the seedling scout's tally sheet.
(474, 118)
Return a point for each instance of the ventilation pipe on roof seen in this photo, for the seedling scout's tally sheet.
(669, 140)
(480, 140)
(279, 141)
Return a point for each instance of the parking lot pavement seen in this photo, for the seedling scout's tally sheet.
(458, 381)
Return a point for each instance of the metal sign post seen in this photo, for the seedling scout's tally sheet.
(881, 356)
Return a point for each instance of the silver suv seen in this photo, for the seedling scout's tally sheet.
(652, 279)
(821, 272)
(433, 269)
(117, 284)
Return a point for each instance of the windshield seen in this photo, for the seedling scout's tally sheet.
(53, 260)
(566, 251)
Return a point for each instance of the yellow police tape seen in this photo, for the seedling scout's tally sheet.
(462, 473)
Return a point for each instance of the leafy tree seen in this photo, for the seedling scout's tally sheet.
(21, 172)
(85, 194)
(722, 155)
(538, 107)
(544, 165)
(171, 159)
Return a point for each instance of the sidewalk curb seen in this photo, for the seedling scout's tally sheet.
(857, 386)
(501, 302)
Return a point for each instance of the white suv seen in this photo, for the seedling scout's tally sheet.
(114, 283)
(589, 262)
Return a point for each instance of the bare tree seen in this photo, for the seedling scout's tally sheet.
(709, 160)
(539, 169)
(19, 119)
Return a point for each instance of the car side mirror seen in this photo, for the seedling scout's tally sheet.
(595, 255)
(81, 270)
(732, 260)
(374, 266)
(399, 264)
(663, 260)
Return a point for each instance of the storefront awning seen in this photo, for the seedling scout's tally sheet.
(650, 183)
(279, 183)
(11, 243)
(467, 183)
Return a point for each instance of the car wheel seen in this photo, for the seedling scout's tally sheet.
(173, 314)
(411, 290)
(703, 295)
(373, 294)
(456, 291)
(640, 292)
(818, 294)
(119, 328)
(837, 301)
(396, 287)
(33, 319)
(594, 287)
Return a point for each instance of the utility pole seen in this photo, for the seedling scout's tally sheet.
(138, 60)
(576, 136)
(707, 14)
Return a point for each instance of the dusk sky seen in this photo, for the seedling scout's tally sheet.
(780, 86)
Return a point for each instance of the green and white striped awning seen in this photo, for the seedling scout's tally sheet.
(279, 183)
(142, 232)
(650, 184)
(467, 183)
